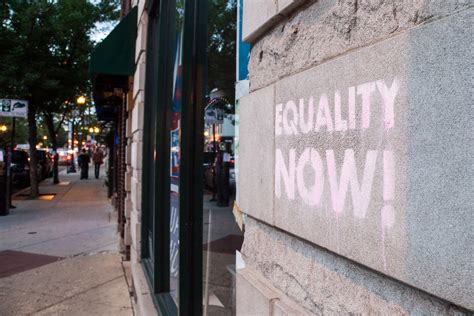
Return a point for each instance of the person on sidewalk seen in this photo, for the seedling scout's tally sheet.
(83, 160)
(98, 159)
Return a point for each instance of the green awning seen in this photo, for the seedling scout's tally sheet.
(115, 55)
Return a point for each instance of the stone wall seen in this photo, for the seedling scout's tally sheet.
(143, 304)
(324, 283)
(356, 175)
(325, 29)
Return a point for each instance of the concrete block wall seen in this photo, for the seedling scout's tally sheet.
(356, 175)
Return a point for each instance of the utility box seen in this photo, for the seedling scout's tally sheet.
(4, 184)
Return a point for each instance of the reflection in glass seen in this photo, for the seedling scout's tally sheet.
(222, 236)
(175, 155)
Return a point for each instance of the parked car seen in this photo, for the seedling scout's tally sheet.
(45, 164)
(20, 168)
(63, 156)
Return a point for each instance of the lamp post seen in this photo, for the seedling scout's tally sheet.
(93, 131)
(79, 101)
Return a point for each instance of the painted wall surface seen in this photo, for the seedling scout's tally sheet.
(370, 156)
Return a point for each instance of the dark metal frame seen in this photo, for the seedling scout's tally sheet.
(192, 144)
(158, 98)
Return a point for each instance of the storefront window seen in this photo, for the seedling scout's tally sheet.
(175, 155)
(172, 227)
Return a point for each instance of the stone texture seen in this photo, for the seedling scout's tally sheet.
(256, 154)
(136, 192)
(281, 308)
(143, 304)
(329, 28)
(140, 44)
(418, 242)
(257, 14)
(285, 6)
(135, 228)
(137, 116)
(137, 150)
(363, 236)
(139, 77)
(441, 196)
(253, 297)
(327, 284)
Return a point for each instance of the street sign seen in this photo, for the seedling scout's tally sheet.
(13, 108)
(214, 116)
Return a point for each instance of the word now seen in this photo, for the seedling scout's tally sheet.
(291, 119)
(292, 174)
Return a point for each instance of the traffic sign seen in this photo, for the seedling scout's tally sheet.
(214, 116)
(13, 108)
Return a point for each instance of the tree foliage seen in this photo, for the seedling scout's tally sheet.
(221, 46)
(44, 49)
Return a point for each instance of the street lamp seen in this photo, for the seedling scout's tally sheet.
(81, 100)
(93, 130)
(3, 128)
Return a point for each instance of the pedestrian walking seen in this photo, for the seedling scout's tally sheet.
(98, 159)
(83, 160)
(222, 172)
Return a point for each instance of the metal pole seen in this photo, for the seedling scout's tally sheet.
(72, 167)
(214, 147)
(12, 144)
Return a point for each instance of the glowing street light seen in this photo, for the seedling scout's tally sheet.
(3, 128)
(94, 130)
(45, 137)
(81, 100)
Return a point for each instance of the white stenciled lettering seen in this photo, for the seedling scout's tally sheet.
(366, 90)
(311, 196)
(306, 125)
(290, 124)
(360, 194)
(285, 174)
(388, 98)
(351, 107)
(339, 123)
(324, 114)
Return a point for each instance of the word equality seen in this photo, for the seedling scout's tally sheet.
(302, 118)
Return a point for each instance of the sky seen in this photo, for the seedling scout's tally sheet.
(101, 30)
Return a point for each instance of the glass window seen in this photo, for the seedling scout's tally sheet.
(222, 236)
(175, 154)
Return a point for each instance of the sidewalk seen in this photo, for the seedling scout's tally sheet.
(58, 254)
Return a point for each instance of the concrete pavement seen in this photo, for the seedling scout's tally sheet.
(60, 254)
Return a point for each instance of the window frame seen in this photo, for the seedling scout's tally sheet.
(160, 54)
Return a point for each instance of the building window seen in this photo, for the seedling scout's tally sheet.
(171, 187)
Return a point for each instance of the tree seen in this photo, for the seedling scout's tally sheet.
(221, 46)
(44, 48)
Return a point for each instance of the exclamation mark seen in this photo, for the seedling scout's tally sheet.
(387, 212)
